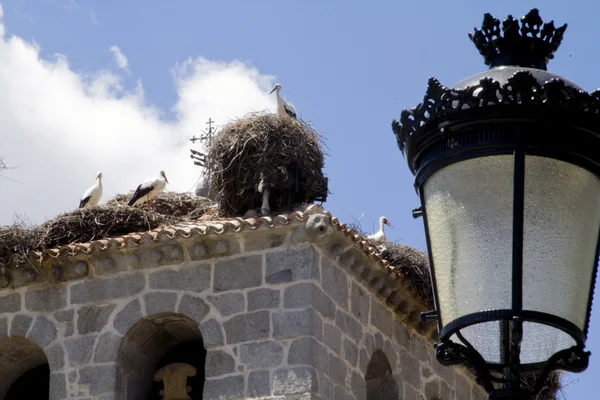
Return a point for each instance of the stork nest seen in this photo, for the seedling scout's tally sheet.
(410, 264)
(284, 154)
(110, 220)
(551, 389)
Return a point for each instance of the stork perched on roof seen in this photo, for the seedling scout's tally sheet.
(283, 107)
(92, 196)
(148, 189)
(379, 236)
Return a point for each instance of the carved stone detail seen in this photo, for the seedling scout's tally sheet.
(174, 377)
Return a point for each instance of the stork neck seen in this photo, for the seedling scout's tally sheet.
(280, 103)
(380, 225)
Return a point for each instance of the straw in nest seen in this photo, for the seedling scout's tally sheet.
(552, 387)
(110, 220)
(285, 152)
(413, 268)
(411, 265)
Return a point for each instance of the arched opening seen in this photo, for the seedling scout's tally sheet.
(33, 384)
(380, 380)
(191, 353)
(153, 343)
(24, 370)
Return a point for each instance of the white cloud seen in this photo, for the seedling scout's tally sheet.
(59, 128)
(93, 18)
(70, 4)
(119, 57)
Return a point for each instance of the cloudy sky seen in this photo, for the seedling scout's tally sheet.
(120, 87)
(60, 127)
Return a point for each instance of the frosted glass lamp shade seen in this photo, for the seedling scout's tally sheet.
(470, 215)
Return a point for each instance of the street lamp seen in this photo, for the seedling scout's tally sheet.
(507, 166)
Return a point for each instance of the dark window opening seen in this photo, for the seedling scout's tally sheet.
(192, 353)
(32, 385)
(152, 343)
(381, 384)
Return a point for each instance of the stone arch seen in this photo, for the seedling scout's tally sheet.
(24, 369)
(379, 377)
(151, 343)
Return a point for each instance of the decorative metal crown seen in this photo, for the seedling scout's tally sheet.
(530, 46)
(521, 88)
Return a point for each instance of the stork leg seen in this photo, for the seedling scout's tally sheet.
(265, 209)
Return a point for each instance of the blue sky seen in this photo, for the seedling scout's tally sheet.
(348, 67)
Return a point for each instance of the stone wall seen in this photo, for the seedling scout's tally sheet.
(279, 317)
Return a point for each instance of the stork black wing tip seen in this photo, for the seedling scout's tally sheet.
(83, 202)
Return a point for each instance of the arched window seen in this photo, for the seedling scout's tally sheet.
(155, 342)
(380, 380)
(24, 370)
(189, 353)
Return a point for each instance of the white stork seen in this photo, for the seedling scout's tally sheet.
(283, 107)
(379, 237)
(148, 189)
(92, 196)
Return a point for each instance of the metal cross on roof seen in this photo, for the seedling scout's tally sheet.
(200, 157)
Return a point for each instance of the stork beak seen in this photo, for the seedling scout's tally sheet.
(166, 180)
(273, 90)
(388, 223)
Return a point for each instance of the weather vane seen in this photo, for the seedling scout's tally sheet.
(199, 157)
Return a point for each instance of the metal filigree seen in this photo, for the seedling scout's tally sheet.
(521, 88)
(529, 45)
(449, 353)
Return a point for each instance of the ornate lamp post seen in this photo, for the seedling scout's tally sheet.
(507, 167)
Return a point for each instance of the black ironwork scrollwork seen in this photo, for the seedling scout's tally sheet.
(531, 41)
(573, 359)
(451, 353)
(520, 88)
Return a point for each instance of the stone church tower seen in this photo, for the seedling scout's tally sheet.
(294, 306)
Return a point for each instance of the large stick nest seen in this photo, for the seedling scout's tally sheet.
(411, 265)
(284, 153)
(110, 220)
(551, 389)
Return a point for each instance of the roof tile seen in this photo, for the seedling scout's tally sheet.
(215, 226)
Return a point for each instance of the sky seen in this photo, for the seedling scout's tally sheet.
(120, 87)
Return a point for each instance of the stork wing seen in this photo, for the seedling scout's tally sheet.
(140, 192)
(290, 110)
(86, 196)
(84, 201)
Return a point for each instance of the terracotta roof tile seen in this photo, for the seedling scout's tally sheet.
(214, 226)
(201, 227)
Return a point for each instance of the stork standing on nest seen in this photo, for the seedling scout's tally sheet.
(283, 107)
(148, 189)
(92, 196)
(379, 236)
